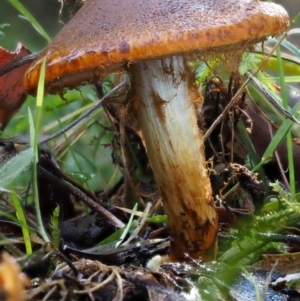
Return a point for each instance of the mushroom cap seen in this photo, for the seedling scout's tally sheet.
(106, 34)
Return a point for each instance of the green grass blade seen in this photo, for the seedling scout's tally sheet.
(34, 132)
(289, 136)
(255, 159)
(291, 47)
(279, 136)
(116, 236)
(287, 79)
(22, 9)
(10, 247)
(126, 230)
(290, 64)
(21, 217)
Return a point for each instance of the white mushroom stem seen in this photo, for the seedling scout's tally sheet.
(165, 98)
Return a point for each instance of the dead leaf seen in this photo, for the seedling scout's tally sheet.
(12, 281)
(12, 93)
(284, 263)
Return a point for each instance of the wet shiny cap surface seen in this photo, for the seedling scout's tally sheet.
(106, 34)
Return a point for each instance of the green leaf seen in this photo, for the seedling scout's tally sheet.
(15, 166)
(273, 205)
(202, 72)
(158, 219)
(249, 62)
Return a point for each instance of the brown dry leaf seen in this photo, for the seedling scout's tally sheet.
(12, 281)
(284, 263)
(12, 93)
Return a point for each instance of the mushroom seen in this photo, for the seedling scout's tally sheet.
(153, 39)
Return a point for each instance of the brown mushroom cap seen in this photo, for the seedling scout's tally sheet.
(109, 33)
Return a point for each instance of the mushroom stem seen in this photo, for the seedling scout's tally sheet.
(165, 97)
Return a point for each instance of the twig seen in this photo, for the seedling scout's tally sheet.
(82, 197)
(85, 114)
(25, 140)
(240, 90)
